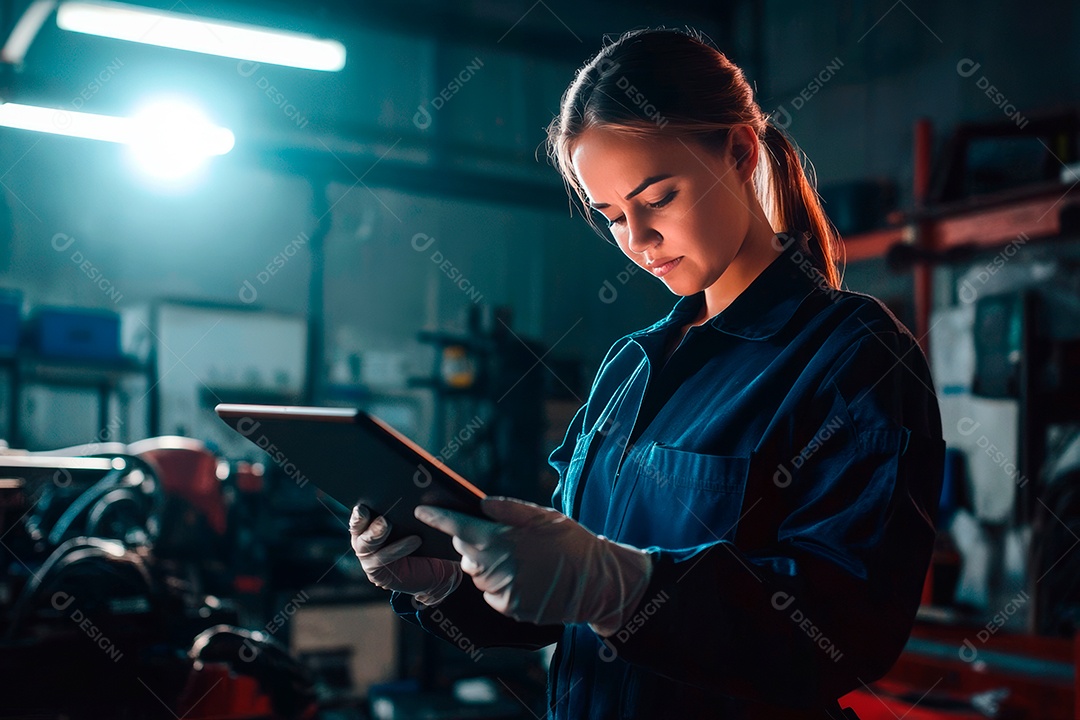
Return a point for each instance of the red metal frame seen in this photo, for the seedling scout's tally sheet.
(984, 223)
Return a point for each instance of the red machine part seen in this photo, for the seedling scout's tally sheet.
(186, 469)
(214, 691)
(249, 477)
(947, 665)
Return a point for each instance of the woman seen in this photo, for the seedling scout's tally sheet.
(744, 515)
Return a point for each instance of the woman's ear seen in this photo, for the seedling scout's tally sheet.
(744, 150)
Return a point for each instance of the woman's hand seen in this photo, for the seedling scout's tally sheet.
(430, 580)
(537, 565)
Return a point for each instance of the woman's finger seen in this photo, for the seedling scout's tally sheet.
(359, 520)
(464, 549)
(383, 556)
(475, 531)
(511, 511)
(373, 536)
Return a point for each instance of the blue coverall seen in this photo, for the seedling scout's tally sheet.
(784, 468)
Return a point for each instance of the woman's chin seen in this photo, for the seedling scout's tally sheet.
(681, 287)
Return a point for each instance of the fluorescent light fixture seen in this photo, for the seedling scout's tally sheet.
(168, 139)
(195, 34)
(25, 30)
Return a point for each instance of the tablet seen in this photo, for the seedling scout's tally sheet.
(354, 457)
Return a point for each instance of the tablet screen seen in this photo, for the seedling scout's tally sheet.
(352, 456)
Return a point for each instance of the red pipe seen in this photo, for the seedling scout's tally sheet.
(924, 140)
(922, 274)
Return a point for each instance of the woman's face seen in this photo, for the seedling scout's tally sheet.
(676, 209)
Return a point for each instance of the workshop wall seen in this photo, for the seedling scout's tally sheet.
(854, 76)
(847, 74)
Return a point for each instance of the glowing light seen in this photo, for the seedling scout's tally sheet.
(171, 139)
(202, 35)
(168, 139)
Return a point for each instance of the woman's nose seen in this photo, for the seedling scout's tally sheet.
(641, 235)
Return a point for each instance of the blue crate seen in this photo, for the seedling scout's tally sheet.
(10, 319)
(76, 333)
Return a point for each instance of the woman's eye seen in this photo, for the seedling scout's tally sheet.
(655, 206)
(667, 198)
(600, 217)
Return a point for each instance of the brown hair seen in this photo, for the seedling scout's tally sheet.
(659, 82)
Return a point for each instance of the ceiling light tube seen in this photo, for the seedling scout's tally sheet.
(25, 30)
(202, 35)
(208, 139)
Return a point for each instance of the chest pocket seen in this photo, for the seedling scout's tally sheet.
(681, 498)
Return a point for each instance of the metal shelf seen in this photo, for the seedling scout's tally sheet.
(105, 376)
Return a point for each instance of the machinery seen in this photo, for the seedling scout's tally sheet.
(126, 577)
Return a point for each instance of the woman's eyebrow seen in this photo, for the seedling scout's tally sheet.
(644, 184)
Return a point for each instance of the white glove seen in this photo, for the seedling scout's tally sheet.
(430, 580)
(537, 565)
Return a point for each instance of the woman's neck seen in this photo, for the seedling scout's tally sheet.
(757, 252)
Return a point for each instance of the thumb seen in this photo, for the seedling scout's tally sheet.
(511, 511)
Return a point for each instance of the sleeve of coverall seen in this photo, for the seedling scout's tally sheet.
(829, 602)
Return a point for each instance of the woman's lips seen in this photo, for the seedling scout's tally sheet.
(662, 270)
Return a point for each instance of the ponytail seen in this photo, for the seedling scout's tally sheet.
(791, 202)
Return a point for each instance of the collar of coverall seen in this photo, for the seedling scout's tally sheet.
(767, 304)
